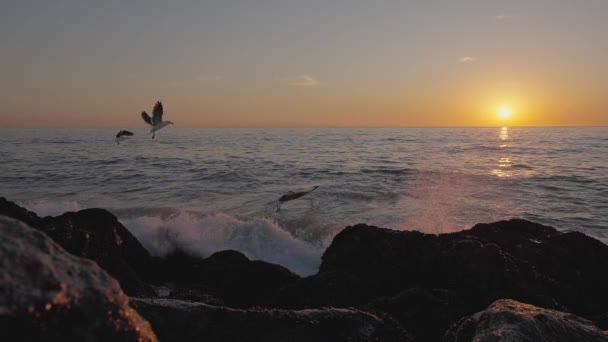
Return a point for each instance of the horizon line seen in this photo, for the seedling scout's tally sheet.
(310, 127)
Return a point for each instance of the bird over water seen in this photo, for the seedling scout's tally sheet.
(156, 121)
(123, 135)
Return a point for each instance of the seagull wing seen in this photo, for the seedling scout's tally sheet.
(146, 118)
(157, 113)
(119, 134)
(127, 133)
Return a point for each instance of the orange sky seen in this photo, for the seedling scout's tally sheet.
(319, 63)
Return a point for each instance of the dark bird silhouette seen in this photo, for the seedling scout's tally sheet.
(291, 195)
(123, 135)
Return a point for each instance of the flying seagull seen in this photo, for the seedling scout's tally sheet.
(291, 195)
(123, 135)
(156, 121)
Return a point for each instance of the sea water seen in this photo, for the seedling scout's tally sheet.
(205, 190)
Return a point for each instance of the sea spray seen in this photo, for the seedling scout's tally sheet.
(165, 230)
(202, 235)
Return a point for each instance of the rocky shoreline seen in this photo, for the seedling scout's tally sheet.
(506, 281)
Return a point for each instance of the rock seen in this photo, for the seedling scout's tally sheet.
(395, 261)
(194, 293)
(381, 262)
(47, 294)
(176, 320)
(330, 288)
(427, 282)
(425, 313)
(376, 268)
(11, 209)
(227, 275)
(95, 234)
(569, 262)
(508, 320)
(98, 235)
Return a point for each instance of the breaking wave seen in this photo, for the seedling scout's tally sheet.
(165, 231)
(202, 235)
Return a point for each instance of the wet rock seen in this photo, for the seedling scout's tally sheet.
(394, 261)
(509, 320)
(176, 320)
(330, 288)
(370, 267)
(95, 234)
(47, 294)
(568, 262)
(381, 262)
(227, 275)
(11, 209)
(425, 313)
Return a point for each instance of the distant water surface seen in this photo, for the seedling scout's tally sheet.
(211, 189)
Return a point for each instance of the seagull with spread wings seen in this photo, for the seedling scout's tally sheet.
(156, 121)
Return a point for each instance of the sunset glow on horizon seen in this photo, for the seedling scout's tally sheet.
(305, 64)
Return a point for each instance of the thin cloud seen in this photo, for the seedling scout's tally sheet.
(467, 59)
(210, 78)
(504, 16)
(304, 81)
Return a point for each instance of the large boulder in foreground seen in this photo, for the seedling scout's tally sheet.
(508, 320)
(95, 234)
(176, 320)
(47, 294)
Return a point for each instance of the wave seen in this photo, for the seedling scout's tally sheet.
(521, 167)
(165, 230)
(388, 171)
(202, 235)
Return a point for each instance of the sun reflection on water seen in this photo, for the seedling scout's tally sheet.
(504, 133)
(504, 162)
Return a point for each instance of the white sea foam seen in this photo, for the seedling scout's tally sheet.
(258, 239)
(202, 235)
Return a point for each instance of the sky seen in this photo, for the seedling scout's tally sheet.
(310, 63)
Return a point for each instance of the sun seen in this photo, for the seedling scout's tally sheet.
(504, 112)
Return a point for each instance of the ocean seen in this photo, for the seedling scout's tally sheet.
(205, 190)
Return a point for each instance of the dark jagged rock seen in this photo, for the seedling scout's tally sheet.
(227, 275)
(11, 209)
(98, 235)
(508, 320)
(570, 262)
(383, 262)
(176, 320)
(395, 261)
(366, 266)
(331, 288)
(423, 312)
(95, 234)
(47, 294)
